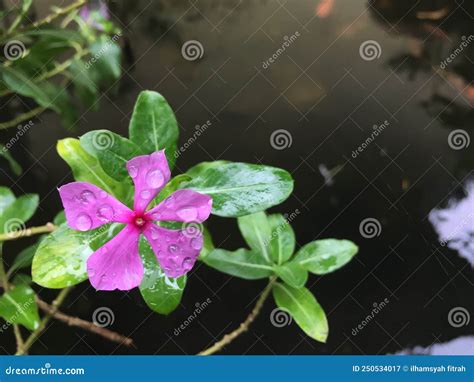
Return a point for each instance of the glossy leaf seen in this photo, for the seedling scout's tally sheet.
(200, 167)
(325, 256)
(105, 62)
(112, 150)
(256, 231)
(18, 306)
(16, 214)
(153, 125)
(86, 168)
(292, 274)
(24, 258)
(282, 242)
(239, 189)
(14, 165)
(208, 245)
(241, 263)
(162, 294)
(6, 198)
(60, 260)
(304, 308)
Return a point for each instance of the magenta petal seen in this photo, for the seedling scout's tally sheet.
(88, 207)
(149, 173)
(176, 251)
(183, 206)
(117, 264)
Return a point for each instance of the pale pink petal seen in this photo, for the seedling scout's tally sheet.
(117, 264)
(88, 207)
(183, 206)
(149, 173)
(176, 251)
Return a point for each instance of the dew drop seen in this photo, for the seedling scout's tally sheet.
(145, 194)
(83, 222)
(155, 178)
(173, 248)
(187, 213)
(169, 202)
(103, 194)
(105, 212)
(133, 171)
(196, 243)
(187, 263)
(154, 234)
(87, 196)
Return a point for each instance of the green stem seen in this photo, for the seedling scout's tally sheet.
(44, 322)
(22, 117)
(47, 228)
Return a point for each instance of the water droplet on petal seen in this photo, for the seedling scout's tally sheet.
(169, 201)
(133, 171)
(155, 178)
(154, 234)
(105, 212)
(187, 263)
(103, 194)
(187, 213)
(87, 196)
(83, 222)
(145, 194)
(91, 272)
(173, 248)
(156, 216)
(196, 243)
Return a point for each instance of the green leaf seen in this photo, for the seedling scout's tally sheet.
(14, 165)
(43, 93)
(304, 308)
(173, 185)
(153, 125)
(105, 61)
(60, 218)
(200, 167)
(239, 189)
(86, 168)
(256, 231)
(325, 256)
(6, 198)
(162, 294)
(24, 258)
(85, 86)
(22, 279)
(293, 274)
(241, 263)
(112, 150)
(18, 306)
(208, 245)
(60, 260)
(16, 214)
(282, 243)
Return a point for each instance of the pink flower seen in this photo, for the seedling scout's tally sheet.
(117, 264)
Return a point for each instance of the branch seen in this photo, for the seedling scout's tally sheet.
(86, 325)
(22, 117)
(244, 326)
(47, 228)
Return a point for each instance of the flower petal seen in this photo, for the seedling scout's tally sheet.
(183, 206)
(117, 264)
(149, 173)
(176, 251)
(88, 207)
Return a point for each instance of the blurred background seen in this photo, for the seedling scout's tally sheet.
(347, 66)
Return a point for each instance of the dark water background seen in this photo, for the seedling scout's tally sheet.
(328, 98)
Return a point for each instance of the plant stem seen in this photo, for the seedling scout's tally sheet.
(244, 326)
(22, 117)
(86, 325)
(37, 332)
(48, 227)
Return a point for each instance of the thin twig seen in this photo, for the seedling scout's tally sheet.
(22, 117)
(47, 228)
(86, 325)
(244, 326)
